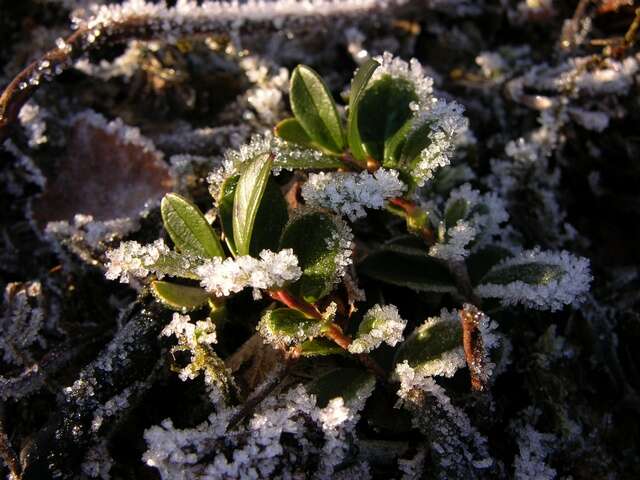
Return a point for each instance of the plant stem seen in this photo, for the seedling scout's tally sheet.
(333, 332)
(472, 338)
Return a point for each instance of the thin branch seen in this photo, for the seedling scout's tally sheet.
(224, 19)
(473, 343)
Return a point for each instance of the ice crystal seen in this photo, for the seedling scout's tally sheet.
(483, 217)
(32, 118)
(23, 321)
(534, 447)
(447, 122)
(274, 442)
(133, 260)
(386, 326)
(350, 193)
(271, 270)
(552, 292)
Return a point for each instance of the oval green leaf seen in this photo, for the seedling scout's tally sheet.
(382, 111)
(187, 227)
(358, 85)
(311, 236)
(315, 109)
(247, 198)
(270, 220)
(348, 383)
(290, 130)
(415, 270)
(182, 298)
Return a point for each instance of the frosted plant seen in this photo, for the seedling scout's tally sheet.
(272, 270)
(541, 280)
(350, 193)
(282, 222)
(380, 324)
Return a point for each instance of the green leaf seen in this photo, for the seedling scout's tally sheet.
(415, 270)
(248, 194)
(480, 262)
(187, 227)
(457, 210)
(320, 347)
(416, 142)
(290, 130)
(393, 145)
(311, 236)
(288, 326)
(382, 111)
(294, 157)
(175, 264)
(313, 106)
(225, 210)
(179, 297)
(429, 342)
(348, 383)
(270, 220)
(358, 85)
(531, 273)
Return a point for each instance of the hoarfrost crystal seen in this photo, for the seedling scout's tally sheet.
(271, 270)
(350, 193)
(568, 286)
(386, 326)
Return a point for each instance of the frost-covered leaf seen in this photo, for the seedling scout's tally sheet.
(456, 210)
(379, 324)
(187, 227)
(349, 383)
(315, 109)
(358, 84)
(320, 347)
(435, 347)
(108, 170)
(179, 297)
(247, 198)
(270, 219)
(294, 157)
(322, 244)
(383, 110)
(131, 259)
(290, 130)
(537, 279)
(481, 261)
(285, 325)
(408, 268)
(530, 273)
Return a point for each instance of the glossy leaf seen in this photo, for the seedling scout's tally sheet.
(429, 342)
(179, 297)
(187, 227)
(480, 262)
(348, 383)
(247, 198)
(290, 130)
(457, 210)
(294, 157)
(175, 264)
(382, 111)
(288, 325)
(358, 85)
(411, 269)
(320, 347)
(315, 109)
(309, 235)
(530, 273)
(270, 220)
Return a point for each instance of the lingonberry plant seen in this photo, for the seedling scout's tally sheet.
(343, 204)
